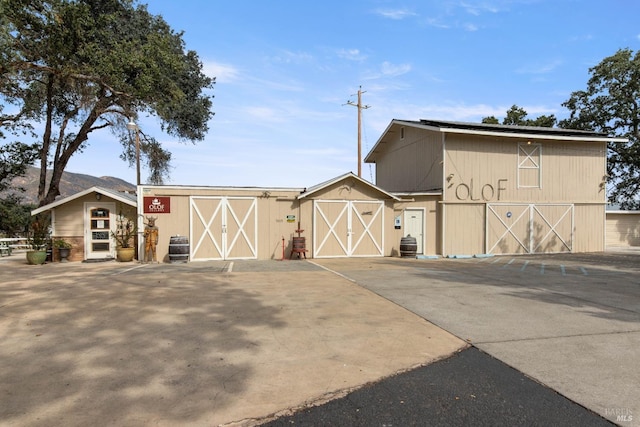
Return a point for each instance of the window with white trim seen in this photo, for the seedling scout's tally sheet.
(529, 165)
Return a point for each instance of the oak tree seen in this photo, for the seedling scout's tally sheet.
(517, 116)
(611, 104)
(69, 68)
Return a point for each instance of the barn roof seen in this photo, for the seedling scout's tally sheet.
(126, 198)
(311, 190)
(487, 129)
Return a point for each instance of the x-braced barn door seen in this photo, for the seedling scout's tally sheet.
(223, 228)
(529, 228)
(343, 228)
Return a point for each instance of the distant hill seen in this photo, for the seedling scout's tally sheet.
(71, 183)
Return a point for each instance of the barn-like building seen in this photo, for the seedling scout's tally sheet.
(458, 188)
(502, 189)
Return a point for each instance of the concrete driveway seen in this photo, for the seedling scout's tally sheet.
(572, 322)
(210, 343)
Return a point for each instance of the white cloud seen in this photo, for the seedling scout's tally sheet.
(477, 9)
(396, 14)
(392, 70)
(352, 54)
(224, 73)
(470, 27)
(437, 23)
(387, 69)
(378, 118)
(540, 68)
(289, 57)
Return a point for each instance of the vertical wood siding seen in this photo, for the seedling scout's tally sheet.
(464, 229)
(623, 229)
(431, 239)
(485, 169)
(411, 164)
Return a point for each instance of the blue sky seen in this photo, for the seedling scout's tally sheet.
(285, 69)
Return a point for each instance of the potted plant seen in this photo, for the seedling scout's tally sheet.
(64, 249)
(124, 234)
(37, 239)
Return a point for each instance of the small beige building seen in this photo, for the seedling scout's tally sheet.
(623, 228)
(86, 220)
(459, 188)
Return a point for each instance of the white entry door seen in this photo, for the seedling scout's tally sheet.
(99, 220)
(223, 228)
(414, 226)
(348, 228)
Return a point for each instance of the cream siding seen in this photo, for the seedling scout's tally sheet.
(69, 218)
(69, 225)
(463, 229)
(623, 228)
(273, 208)
(431, 236)
(278, 214)
(339, 198)
(589, 232)
(485, 169)
(418, 156)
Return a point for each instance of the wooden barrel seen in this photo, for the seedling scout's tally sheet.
(179, 249)
(408, 247)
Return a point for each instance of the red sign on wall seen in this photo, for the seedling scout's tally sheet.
(157, 205)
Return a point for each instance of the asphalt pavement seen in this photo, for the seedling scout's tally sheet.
(570, 322)
(469, 388)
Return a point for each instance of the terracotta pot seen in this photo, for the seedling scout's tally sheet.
(36, 257)
(125, 254)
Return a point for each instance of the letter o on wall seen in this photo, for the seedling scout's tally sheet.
(466, 187)
(484, 196)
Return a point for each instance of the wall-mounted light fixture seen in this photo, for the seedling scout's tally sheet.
(98, 196)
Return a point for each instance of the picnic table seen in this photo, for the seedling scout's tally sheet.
(9, 244)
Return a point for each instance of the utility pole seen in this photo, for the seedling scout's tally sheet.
(360, 108)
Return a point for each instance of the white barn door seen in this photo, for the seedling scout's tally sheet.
(223, 227)
(529, 228)
(343, 228)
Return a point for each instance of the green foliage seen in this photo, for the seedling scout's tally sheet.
(38, 235)
(158, 159)
(517, 116)
(125, 231)
(15, 217)
(14, 159)
(61, 244)
(611, 104)
(76, 67)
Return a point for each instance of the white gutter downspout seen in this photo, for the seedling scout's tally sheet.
(444, 197)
